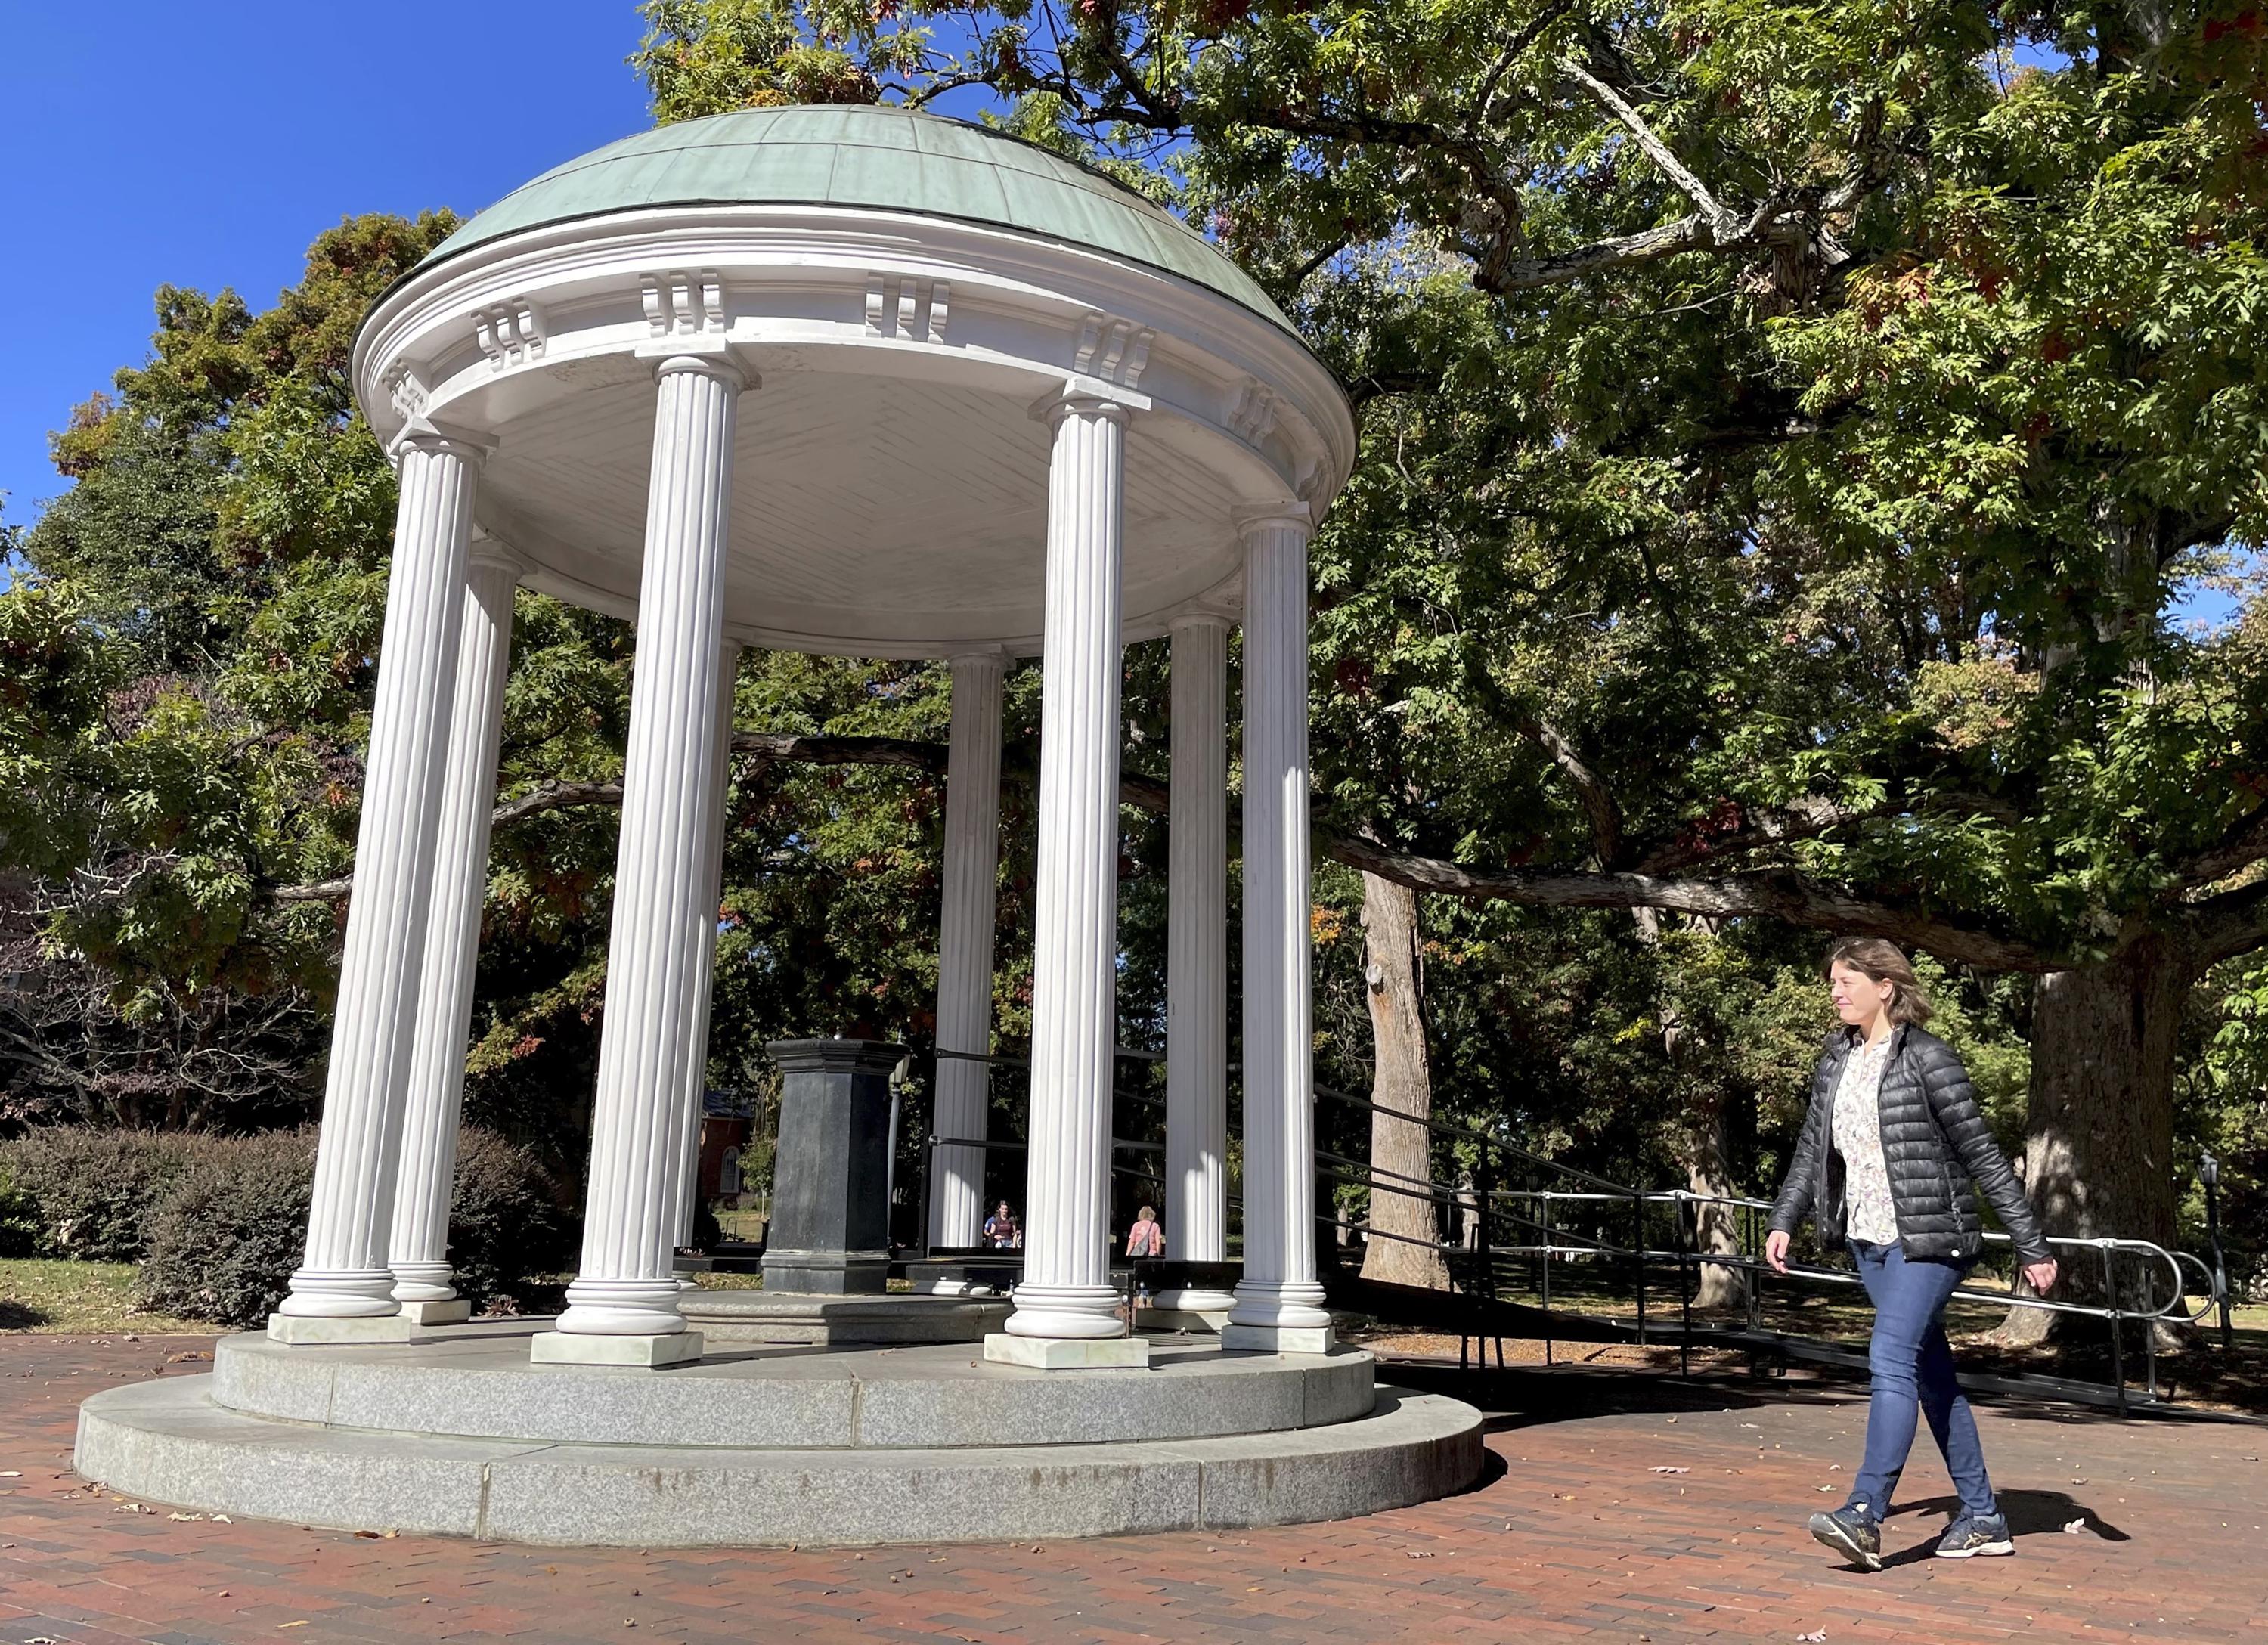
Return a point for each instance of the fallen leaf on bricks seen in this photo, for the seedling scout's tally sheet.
(1673, 1470)
(301, 1623)
(1415, 1554)
(223, 1519)
(1812, 1639)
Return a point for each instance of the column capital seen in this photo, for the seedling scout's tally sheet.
(423, 433)
(700, 356)
(992, 659)
(1260, 517)
(1086, 397)
(490, 554)
(1200, 620)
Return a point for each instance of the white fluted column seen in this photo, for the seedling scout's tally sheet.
(345, 1276)
(968, 910)
(685, 1191)
(419, 1248)
(622, 1305)
(1196, 960)
(1064, 1304)
(1279, 1303)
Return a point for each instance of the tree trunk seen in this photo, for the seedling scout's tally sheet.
(1716, 1227)
(2098, 1146)
(1402, 1080)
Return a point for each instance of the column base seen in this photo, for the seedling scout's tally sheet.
(340, 1294)
(563, 1347)
(1199, 1319)
(1193, 1299)
(312, 1329)
(1277, 1339)
(454, 1311)
(623, 1307)
(1068, 1353)
(1080, 1313)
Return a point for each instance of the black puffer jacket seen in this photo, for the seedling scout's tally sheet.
(1935, 1145)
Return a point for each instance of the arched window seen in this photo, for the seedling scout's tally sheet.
(728, 1174)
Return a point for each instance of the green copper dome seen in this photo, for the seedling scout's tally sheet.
(887, 159)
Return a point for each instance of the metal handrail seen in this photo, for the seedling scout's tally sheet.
(1487, 1202)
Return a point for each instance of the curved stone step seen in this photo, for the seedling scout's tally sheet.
(475, 1382)
(167, 1441)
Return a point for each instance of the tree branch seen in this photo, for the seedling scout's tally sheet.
(2244, 843)
(1529, 33)
(2222, 927)
(1774, 895)
(1621, 251)
(1598, 800)
(1720, 220)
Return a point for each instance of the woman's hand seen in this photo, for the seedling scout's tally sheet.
(1775, 1251)
(2041, 1276)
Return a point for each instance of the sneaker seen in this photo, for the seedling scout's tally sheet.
(1851, 1532)
(1969, 1535)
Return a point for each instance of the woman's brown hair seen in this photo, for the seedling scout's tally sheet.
(1883, 961)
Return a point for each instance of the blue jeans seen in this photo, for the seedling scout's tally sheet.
(1913, 1367)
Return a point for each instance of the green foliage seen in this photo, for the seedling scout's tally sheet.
(2223, 1110)
(19, 1217)
(225, 1244)
(710, 57)
(92, 1195)
(229, 1233)
(1845, 551)
(506, 1224)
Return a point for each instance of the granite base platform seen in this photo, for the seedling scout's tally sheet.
(818, 1319)
(461, 1433)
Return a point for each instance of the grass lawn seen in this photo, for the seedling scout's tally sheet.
(81, 1298)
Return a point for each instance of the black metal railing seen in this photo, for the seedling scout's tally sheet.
(1586, 1249)
(2145, 1285)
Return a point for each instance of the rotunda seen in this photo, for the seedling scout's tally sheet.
(860, 381)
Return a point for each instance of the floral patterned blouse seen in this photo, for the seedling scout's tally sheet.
(1869, 1213)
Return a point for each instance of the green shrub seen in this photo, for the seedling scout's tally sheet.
(93, 1194)
(505, 1223)
(235, 1226)
(20, 1218)
(225, 1243)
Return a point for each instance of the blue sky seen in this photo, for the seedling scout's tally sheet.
(207, 144)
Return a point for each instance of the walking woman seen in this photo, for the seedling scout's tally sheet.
(1891, 1155)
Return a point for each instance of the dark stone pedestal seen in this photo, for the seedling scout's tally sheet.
(830, 1175)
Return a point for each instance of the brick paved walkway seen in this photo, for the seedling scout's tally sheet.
(1578, 1536)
